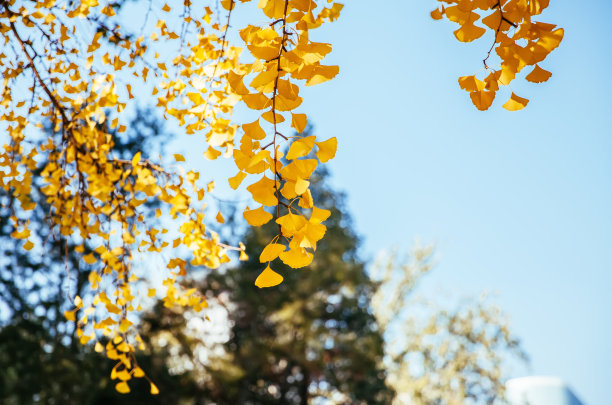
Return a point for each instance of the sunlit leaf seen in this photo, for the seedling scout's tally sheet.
(268, 278)
(515, 103)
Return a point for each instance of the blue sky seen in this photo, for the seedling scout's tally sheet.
(517, 202)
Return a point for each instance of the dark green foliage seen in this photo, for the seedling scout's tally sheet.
(309, 337)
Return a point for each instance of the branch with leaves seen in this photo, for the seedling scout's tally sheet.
(519, 42)
(80, 79)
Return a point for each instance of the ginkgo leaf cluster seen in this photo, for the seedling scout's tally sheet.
(518, 40)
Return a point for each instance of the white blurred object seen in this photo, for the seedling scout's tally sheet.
(539, 390)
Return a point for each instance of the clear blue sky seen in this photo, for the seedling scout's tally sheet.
(518, 203)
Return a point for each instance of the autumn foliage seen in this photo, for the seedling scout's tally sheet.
(519, 42)
(71, 67)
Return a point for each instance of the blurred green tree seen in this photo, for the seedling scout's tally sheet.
(309, 338)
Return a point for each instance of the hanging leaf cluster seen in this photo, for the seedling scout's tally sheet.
(519, 42)
(70, 65)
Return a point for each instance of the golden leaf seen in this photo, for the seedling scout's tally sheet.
(220, 218)
(538, 75)
(471, 83)
(327, 149)
(273, 117)
(296, 257)
(235, 82)
(263, 191)
(301, 147)
(268, 278)
(253, 130)
(271, 252)
(482, 99)
(515, 103)
(322, 74)
(319, 215)
(256, 101)
(257, 217)
(122, 387)
(298, 121)
(436, 14)
(235, 181)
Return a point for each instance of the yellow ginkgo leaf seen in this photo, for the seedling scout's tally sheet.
(538, 75)
(264, 81)
(471, 83)
(273, 117)
(296, 257)
(124, 375)
(436, 14)
(288, 90)
(327, 149)
(122, 387)
(268, 278)
(256, 101)
(322, 74)
(301, 147)
(306, 200)
(257, 217)
(220, 218)
(253, 130)
(291, 223)
(482, 99)
(154, 389)
(139, 372)
(263, 191)
(211, 153)
(461, 15)
(298, 121)
(515, 103)
(286, 104)
(551, 40)
(491, 81)
(124, 325)
(271, 252)
(301, 186)
(319, 215)
(469, 32)
(136, 159)
(235, 181)
(178, 157)
(236, 84)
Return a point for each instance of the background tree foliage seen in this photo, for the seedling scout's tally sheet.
(329, 335)
(439, 354)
